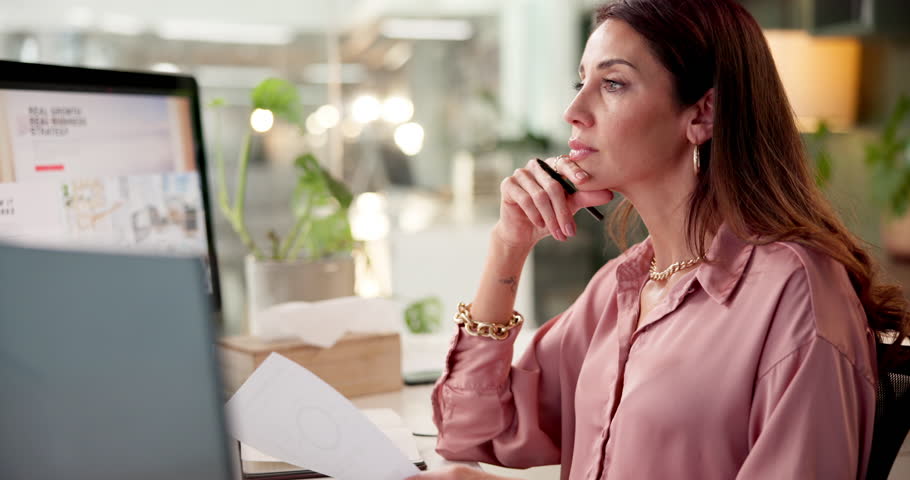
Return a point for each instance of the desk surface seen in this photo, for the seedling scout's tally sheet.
(413, 404)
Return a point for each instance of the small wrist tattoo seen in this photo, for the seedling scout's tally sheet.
(511, 282)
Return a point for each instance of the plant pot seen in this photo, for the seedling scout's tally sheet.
(270, 282)
(896, 236)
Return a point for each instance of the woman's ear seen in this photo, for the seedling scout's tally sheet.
(701, 128)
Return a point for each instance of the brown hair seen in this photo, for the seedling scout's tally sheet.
(755, 175)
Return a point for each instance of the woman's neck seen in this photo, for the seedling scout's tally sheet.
(663, 208)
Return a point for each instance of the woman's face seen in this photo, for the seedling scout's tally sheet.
(628, 130)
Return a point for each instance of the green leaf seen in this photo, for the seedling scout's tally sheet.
(328, 235)
(217, 102)
(339, 191)
(316, 177)
(901, 195)
(822, 132)
(424, 315)
(822, 169)
(897, 117)
(279, 96)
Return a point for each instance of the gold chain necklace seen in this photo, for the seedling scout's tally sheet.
(653, 274)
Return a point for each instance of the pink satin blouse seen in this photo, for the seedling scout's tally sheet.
(759, 365)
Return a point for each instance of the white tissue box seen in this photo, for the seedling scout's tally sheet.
(358, 364)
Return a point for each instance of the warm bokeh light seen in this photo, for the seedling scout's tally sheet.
(820, 76)
(351, 129)
(313, 125)
(328, 116)
(409, 138)
(397, 110)
(366, 108)
(165, 67)
(262, 120)
(369, 221)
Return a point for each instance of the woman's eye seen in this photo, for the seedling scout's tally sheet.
(612, 85)
(578, 86)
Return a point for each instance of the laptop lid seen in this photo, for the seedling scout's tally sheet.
(101, 159)
(108, 369)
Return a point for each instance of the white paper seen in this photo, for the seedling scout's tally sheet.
(323, 323)
(390, 423)
(286, 412)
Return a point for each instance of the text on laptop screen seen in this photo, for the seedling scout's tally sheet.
(88, 169)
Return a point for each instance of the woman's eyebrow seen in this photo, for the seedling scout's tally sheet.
(607, 64)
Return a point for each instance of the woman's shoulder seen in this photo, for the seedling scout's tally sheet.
(824, 279)
(817, 296)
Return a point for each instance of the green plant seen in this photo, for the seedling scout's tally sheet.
(424, 315)
(889, 160)
(817, 143)
(319, 204)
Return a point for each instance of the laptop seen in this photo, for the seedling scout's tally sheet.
(104, 160)
(108, 369)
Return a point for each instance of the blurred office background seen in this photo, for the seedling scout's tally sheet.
(423, 108)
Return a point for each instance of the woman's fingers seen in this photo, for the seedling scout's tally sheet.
(544, 202)
(589, 199)
(518, 196)
(557, 197)
(569, 169)
(542, 196)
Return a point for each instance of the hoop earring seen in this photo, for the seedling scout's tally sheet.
(696, 162)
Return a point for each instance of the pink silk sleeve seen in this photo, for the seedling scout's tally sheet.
(490, 411)
(798, 430)
(812, 408)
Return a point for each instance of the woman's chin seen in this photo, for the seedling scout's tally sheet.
(593, 186)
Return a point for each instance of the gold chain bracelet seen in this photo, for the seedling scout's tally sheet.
(497, 331)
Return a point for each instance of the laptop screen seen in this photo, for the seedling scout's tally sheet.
(102, 160)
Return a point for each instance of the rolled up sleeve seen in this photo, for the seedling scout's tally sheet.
(490, 411)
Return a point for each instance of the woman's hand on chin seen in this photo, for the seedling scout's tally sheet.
(533, 205)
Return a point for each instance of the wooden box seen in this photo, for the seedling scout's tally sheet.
(358, 364)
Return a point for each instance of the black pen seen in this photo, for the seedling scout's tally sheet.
(568, 187)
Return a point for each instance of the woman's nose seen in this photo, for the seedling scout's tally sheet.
(576, 115)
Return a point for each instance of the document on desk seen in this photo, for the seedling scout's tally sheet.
(289, 413)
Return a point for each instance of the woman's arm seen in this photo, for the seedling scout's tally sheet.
(485, 409)
(495, 296)
(532, 206)
(813, 401)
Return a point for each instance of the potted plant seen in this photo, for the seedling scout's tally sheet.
(889, 161)
(314, 259)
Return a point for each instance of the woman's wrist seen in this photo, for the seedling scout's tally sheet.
(501, 245)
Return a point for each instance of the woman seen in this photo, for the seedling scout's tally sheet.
(737, 340)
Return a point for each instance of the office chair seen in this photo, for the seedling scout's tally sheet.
(892, 412)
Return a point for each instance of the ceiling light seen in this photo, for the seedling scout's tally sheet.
(120, 24)
(321, 73)
(216, 32)
(165, 67)
(426, 29)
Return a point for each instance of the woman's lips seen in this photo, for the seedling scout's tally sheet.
(580, 150)
(578, 155)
